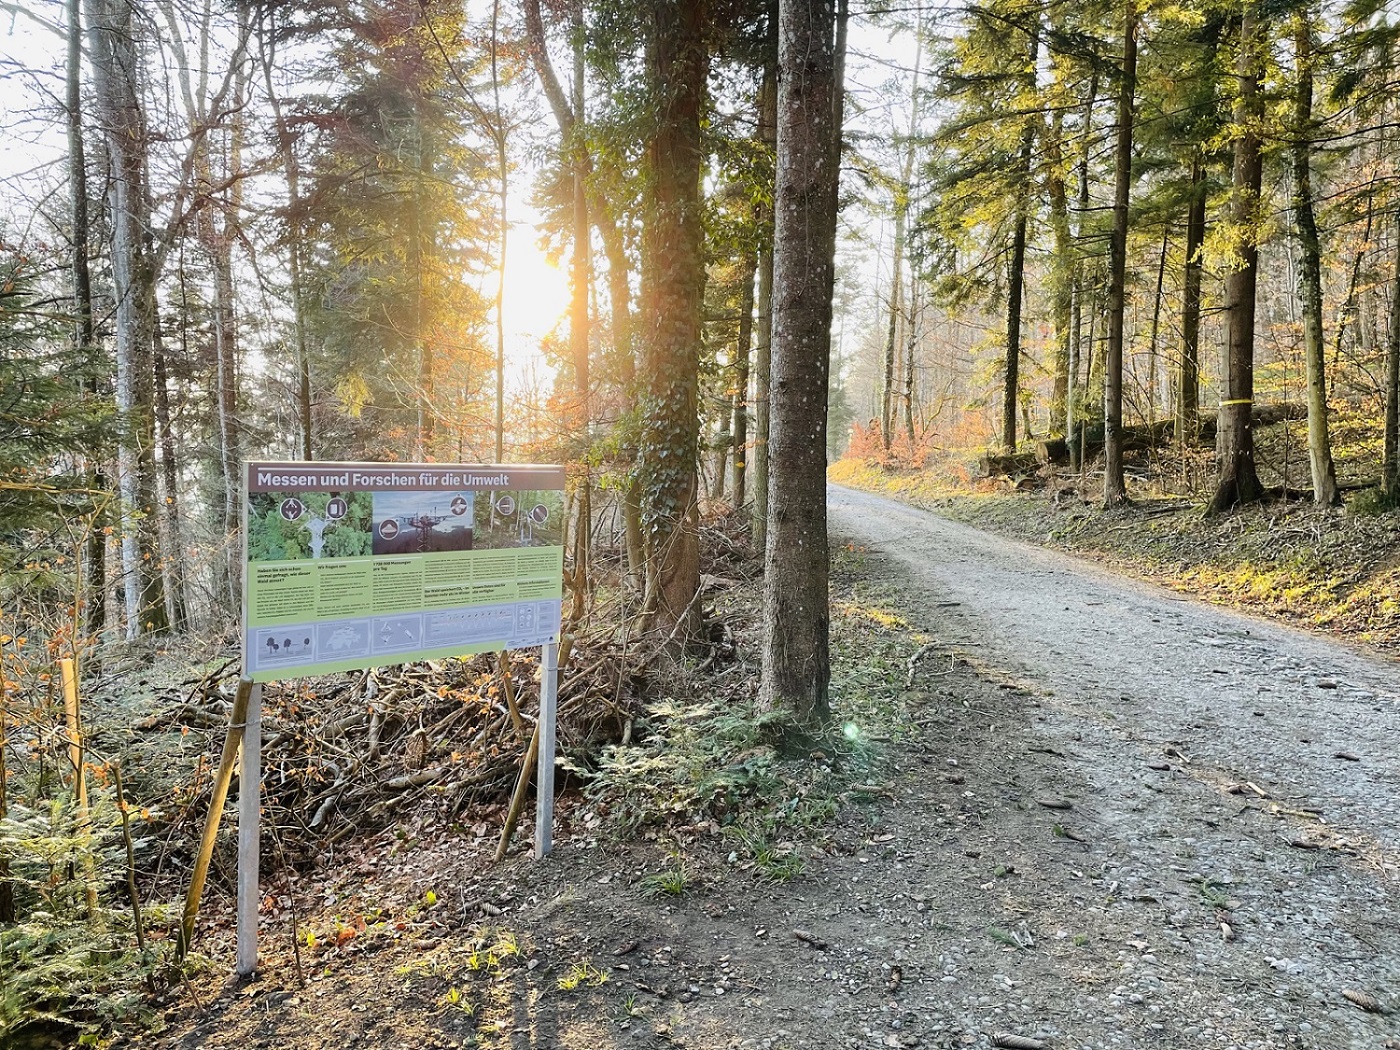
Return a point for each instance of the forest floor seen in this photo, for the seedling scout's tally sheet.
(1083, 811)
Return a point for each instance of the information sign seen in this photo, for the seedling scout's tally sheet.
(353, 565)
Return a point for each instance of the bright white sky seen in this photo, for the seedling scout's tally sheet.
(33, 152)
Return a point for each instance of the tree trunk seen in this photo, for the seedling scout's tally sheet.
(7, 889)
(796, 666)
(567, 114)
(1152, 355)
(742, 353)
(1016, 267)
(763, 351)
(1390, 445)
(173, 567)
(1016, 275)
(1074, 405)
(1324, 474)
(673, 275)
(580, 282)
(1238, 476)
(292, 173)
(911, 345)
(1114, 491)
(1062, 276)
(1189, 378)
(887, 401)
(84, 336)
(115, 63)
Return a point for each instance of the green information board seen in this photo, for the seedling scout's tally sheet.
(352, 565)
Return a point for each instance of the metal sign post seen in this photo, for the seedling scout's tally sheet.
(544, 776)
(249, 808)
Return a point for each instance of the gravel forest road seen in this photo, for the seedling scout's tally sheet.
(1258, 762)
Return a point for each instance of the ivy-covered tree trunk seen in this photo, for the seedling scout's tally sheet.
(796, 664)
(1238, 477)
(1114, 490)
(673, 276)
(1324, 473)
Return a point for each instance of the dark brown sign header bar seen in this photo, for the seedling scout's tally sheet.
(399, 477)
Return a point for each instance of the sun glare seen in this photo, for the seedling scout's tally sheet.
(536, 300)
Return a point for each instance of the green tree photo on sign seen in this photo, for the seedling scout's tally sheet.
(274, 536)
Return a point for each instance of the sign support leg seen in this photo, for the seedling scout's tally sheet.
(249, 805)
(544, 777)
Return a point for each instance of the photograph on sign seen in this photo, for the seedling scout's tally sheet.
(520, 518)
(365, 564)
(422, 522)
(309, 525)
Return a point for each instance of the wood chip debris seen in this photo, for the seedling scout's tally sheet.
(1008, 1041)
(871, 789)
(1054, 803)
(1227, 925)
(1363, 1000)
(1347, 756)
(810, 938)
(628, 948)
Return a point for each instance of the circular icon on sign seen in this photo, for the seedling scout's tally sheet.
(539, 514)
(459, 505)
(292, 508)
(388, 528)
(336, 508)
(505, 506)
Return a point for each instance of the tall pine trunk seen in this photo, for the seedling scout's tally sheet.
(84, 335)
(763, 348)
(1114, 490)
(742, 353)
(1390, 444)
(1188, 386)
(1324, 474)
(1238, 476)
(796, 666)
(1016, 266)
(1062, 275)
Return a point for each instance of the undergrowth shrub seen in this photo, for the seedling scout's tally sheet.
(62, 963)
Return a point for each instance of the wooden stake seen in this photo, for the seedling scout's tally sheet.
(211, 823)
(69, 675)
(131, 894)
(517, 798)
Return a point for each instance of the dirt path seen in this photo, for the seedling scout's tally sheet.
(1099, 828)
(1131, 676)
